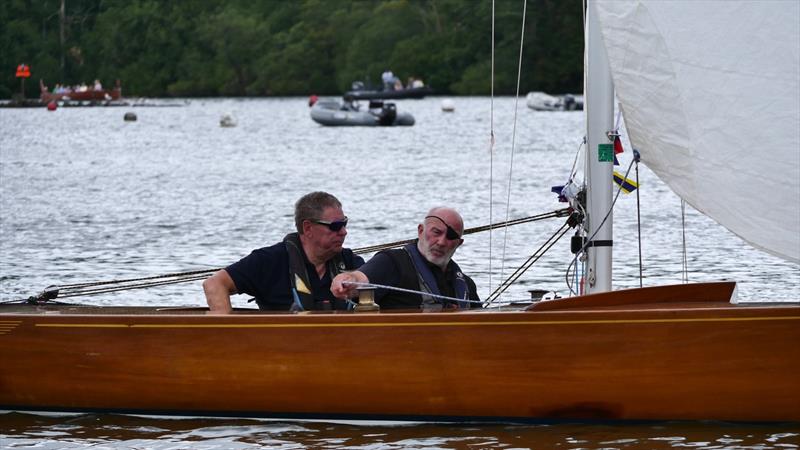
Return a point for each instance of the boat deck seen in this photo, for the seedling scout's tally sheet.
(714, 296)
(94, 310)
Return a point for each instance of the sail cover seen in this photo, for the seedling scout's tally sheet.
(710, 94)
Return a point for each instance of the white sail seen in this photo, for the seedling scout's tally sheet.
(710, 92)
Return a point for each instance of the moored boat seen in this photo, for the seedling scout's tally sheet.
(348, 113)
(88, 95)
(394, 94)
(539, 101)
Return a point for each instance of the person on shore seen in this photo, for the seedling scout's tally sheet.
(425, 266)
(294, 274)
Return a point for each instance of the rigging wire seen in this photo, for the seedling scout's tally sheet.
(574, 169)
(130, 280)
(577, 205)
(513, 135)
(599, 227)
(544, 248)
(685, 274)
(548, 215)
(639, 220)
(76, 293)
(101, 287)
(491, 150)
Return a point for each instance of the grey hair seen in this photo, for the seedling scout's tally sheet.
(310, 207)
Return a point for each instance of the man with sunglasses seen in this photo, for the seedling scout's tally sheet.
(295, 274)
(424, 266)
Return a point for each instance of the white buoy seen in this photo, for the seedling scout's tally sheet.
(448, 105)
(227, 121)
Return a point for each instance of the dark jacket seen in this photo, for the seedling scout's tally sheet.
(396, 268)
(267, 274)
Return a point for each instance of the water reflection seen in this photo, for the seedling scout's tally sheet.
(114, 431)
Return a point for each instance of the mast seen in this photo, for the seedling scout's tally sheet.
(600, 156)
(62, 17)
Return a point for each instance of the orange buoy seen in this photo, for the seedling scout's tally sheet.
(52, 106)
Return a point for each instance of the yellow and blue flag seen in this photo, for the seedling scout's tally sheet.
(626, 184)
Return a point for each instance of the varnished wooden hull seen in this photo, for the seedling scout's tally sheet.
(648, 361)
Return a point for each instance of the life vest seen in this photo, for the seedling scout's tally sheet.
(298, 273)
(427, 282)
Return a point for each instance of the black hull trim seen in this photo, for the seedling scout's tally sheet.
(348, 417)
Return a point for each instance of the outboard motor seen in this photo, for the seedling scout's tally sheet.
(388, 114)
(569, 103)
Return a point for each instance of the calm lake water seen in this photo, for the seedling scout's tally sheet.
(86, 196)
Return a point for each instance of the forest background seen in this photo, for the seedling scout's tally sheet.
(208, 48)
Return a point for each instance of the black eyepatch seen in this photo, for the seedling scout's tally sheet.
(451, 233)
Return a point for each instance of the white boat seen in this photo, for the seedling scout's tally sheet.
(539, 101)
(377, 113)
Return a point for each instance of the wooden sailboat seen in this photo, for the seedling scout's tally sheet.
(582, 358)
(89, 95)
(655, 353)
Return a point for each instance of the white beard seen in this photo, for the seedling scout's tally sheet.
(440, 261)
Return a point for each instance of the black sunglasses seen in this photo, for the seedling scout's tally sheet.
(451, 233)
(333, 226)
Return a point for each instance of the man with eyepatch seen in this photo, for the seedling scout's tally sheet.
(425, 266)
(295, 274)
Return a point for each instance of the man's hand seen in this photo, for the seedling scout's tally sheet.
(341, 286)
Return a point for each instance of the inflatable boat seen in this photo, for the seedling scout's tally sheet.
(377, 113)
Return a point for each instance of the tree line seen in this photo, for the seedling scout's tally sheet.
(191, 48)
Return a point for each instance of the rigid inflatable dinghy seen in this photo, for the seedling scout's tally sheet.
(378, 113)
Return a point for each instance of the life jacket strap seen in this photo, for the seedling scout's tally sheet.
(427, 282)
(299, 279)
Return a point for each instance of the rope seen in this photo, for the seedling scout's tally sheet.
(408, 291)
(129, 280)
(80, 292)
(102, 287)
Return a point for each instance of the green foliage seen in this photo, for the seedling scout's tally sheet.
(291, 47)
